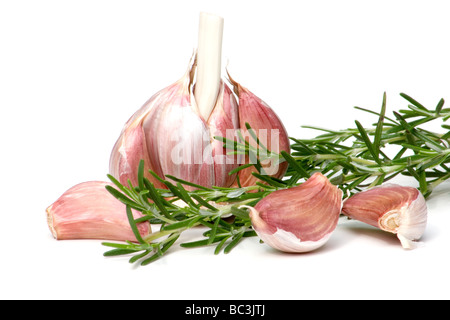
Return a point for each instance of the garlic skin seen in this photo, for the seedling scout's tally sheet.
(393, 208)
(89, 211)
(298, 219)
(268, 128)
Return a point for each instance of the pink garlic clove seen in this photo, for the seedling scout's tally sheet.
(132, 145)
(177, 138)
(89, 211)
(393, 208)
(224, 122)
(298, 219)
(267, 126)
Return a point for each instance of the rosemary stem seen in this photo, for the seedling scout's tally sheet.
(394, 139)
(438, 181)
(157, 235)
(362, 161)
(163, 218)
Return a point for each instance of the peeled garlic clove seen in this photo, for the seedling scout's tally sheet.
(89, 211)
(393, 208)
(298, 219)
(268, 128)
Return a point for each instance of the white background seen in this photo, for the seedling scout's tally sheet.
(72, 73)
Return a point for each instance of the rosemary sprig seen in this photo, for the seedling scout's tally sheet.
(208, 207)
(353, 159)
(362, 157)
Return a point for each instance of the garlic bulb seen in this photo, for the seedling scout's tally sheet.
(299, 219)
(393, 208)
(173, 132)
(89, 211)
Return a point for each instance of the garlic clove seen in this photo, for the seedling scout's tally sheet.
(132, 145)
(127, 153)
(89, 211)
(393, 208)
(178, 138)
(224, 122)
(298, 219)
(268, 128)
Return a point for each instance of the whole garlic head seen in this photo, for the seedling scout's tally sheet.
(170, 134)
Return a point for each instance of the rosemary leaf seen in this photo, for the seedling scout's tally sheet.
(202, 243)
(186, 182)
(221, 244)
(118, 252)
(379, 128)
(439, 107)
(161, 250)
(123, 198)
(181, 224)
(414, 102)
(296, 166)
(141, 175)
(136, 257)
(133, 225)
(212, 234)
(367, 141)
(233, 242)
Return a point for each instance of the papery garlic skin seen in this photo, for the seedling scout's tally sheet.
(89, 211)
(298, 219)
(401, 210)
(287, 242)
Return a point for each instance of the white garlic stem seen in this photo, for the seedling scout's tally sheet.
(209, 63)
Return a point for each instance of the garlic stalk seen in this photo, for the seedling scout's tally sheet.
(209, 58)
(393, 208)
(298, 219)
